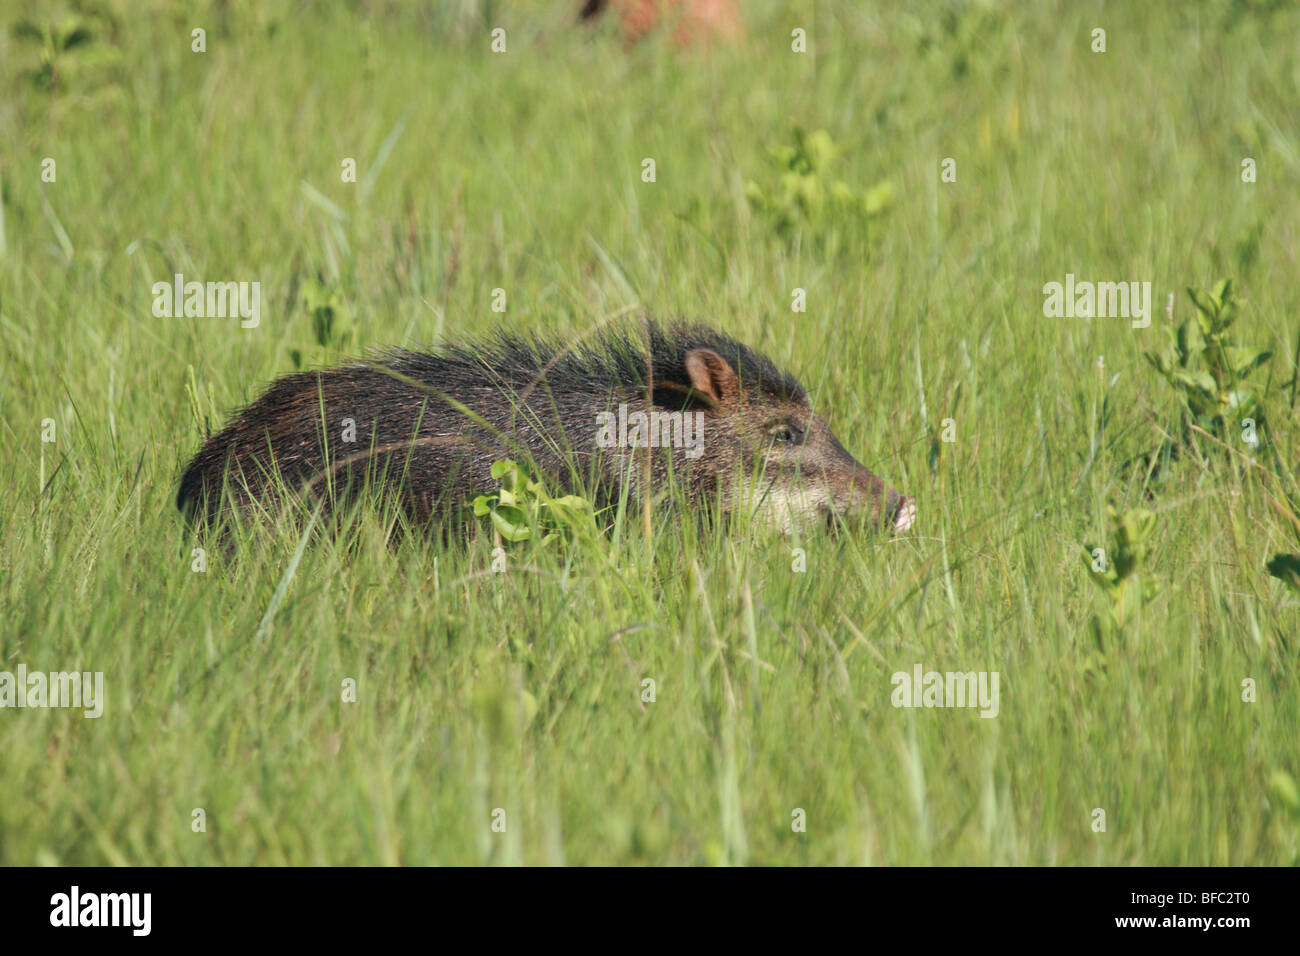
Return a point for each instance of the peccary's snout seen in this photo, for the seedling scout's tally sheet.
(900, 512)
(885, 506)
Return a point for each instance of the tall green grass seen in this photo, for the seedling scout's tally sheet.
(524, 691)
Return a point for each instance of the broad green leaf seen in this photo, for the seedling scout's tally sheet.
(1202, 381)
(1204, 305)
(1227, 314)
(576, 502)
(511, 523)
(1157, 361)
(1243, 360)
(1190, 339)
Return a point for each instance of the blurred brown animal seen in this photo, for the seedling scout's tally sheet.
(693, 21)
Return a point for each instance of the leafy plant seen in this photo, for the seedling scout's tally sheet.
(331, 319)
(1210, 369)
(1116, 571)
(56, 67)
(804, 195)
(331, 322)
(523, 506)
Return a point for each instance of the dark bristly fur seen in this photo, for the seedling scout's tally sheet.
(429, 425)
(615, 357)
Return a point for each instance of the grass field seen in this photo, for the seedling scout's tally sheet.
(517, 699)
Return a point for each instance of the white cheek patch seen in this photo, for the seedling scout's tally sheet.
(788, 509)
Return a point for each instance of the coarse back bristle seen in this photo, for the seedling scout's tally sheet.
(611, 357)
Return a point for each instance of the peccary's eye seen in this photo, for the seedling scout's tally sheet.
(784, 434)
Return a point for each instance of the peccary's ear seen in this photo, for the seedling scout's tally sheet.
(711, 375)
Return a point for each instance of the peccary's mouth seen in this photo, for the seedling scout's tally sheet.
(900, 513)
(899, 516)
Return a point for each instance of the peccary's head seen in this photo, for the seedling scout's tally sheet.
(772, 455)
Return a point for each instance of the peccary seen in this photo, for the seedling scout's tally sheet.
(708, 412)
